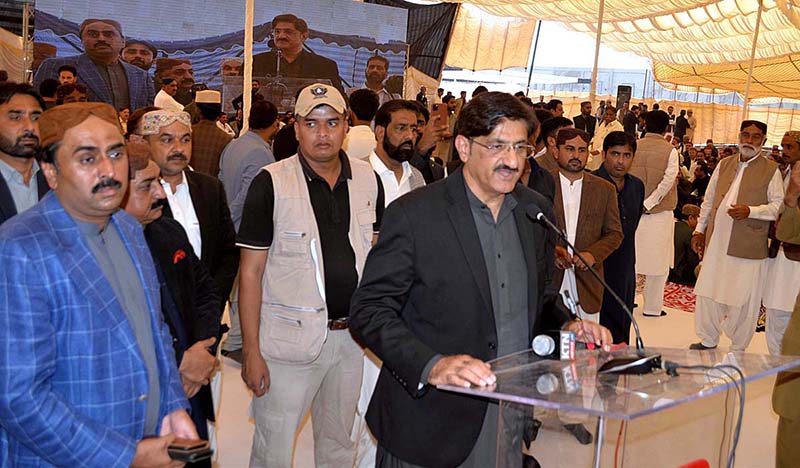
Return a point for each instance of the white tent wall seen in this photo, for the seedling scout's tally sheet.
(414, 79)
(11, 54)
(716, 121)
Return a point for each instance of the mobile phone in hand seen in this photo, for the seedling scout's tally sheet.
(189, 451)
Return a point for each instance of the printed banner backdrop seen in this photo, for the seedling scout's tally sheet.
(209, 35)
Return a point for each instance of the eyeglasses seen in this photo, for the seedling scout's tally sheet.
(496, 149)
(287, 31)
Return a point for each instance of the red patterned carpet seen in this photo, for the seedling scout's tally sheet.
(676, 296)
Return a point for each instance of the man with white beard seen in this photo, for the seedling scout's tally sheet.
(743, 197)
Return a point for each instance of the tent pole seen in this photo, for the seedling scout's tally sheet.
(533, 56)
(713, 92)
(27, 42)
(752, 61)
(593, 89)
(248, 63)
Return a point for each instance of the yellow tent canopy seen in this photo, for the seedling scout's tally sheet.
(697, 43)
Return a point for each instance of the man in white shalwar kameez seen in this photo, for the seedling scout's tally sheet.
(783, 277)
(744, 195)
(656, 164)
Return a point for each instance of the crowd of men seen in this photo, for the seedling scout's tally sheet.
(359, 243)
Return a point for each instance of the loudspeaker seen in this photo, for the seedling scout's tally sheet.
(623, 95)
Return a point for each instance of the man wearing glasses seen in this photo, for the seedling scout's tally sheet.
(458, 277)
(290, 34)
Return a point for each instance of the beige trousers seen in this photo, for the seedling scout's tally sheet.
(711, 319)
(330, 387)
(654, 294)
(777, 321)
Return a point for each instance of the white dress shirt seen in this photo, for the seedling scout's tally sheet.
(571, 196)
(359, 142)
(167, 102)
(601, 132)
(226, 128)
(183, 212)
(392, 189)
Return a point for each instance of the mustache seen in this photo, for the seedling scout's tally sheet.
(106, 182)
(30, 135)
(102, 43)
(575, 160)
(177, 157)
(504, 167)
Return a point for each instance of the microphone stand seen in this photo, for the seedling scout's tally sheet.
(276, 88)
(278, 57)
(639, 364)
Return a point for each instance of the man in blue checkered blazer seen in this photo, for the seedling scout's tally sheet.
(87, 369)
(107, 78)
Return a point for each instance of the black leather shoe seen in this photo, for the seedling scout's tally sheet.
(700, 346)
(580, 433)
(663, 313)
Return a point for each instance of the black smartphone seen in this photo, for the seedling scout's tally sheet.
(189, 451)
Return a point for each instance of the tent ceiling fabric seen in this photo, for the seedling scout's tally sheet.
(482, 42)
(698, 38)
(771, 77)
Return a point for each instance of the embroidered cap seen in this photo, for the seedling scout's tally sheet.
(152, 121)
(316, 95)
(793, 134)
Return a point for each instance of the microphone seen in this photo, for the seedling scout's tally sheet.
(640, 364)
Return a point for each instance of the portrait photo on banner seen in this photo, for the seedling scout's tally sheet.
(126, 53)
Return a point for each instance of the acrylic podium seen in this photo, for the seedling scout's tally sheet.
(678, 418)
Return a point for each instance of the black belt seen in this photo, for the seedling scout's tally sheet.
(339, 324)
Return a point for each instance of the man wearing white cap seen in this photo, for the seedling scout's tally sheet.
(307, 225)
(208, 141)
(744, 196)
(195, 200)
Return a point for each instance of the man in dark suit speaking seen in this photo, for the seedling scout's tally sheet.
(290, 34)
(458, 277)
